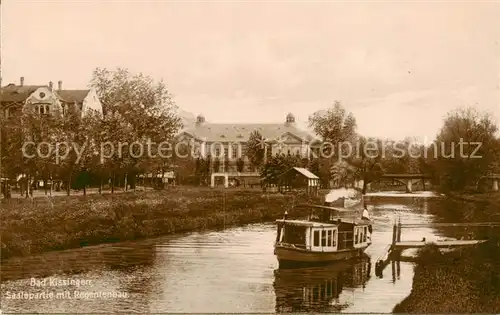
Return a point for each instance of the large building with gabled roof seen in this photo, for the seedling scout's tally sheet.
(228, 141)
(45, 99)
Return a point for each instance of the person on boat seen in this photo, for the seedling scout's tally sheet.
(366, 216)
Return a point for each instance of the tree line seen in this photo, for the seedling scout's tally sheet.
(466, 149)
(138, 109)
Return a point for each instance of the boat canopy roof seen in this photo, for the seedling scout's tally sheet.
(359, 222)
(306, 223)
(330, 208)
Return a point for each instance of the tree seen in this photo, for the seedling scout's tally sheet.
(11, 142)
(42, 131)
(199, 170)
(140, 110)
(80, 131)
(255, 149)
(313, 166)
(343, 173)
(184, 162)
(240, 165)
(216, 165)
(115, 131)
(335, 126)
(402, 157)
(277, 165)
(467, 148)
(367, 160)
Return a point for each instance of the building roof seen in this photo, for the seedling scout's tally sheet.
(72, 96)
(306, 172)
(15, 93)
(241, 132)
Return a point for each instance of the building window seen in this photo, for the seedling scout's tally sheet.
(226, 152)
(217, 152)
(234, 152)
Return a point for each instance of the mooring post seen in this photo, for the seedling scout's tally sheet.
(394, 233)
(399, 232)
(393, 267)
(398, 269)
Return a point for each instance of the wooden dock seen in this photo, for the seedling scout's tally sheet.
(440, 244)
(393, 251)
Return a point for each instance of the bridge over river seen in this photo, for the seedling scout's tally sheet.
(408, 180)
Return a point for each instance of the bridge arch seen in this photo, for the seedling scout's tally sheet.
(406, 179)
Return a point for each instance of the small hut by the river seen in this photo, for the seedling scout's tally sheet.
(298, 178)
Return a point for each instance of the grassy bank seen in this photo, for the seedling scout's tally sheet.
(70, 222)
(461, 281)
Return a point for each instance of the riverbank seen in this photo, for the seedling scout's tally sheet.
(461, 281)
(58, 223)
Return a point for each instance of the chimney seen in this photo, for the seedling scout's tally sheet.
(59, 85)
(21, 81)
(51, 85)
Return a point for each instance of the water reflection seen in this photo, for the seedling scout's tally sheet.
(129, 258)
(124, 257)
(318, 289)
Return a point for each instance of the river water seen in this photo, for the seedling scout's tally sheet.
(233, 270)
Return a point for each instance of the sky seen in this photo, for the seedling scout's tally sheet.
(399, 67)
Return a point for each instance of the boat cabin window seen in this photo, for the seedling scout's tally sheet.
(360, 234)
(295, 234)
(324, 237)
(316, 238)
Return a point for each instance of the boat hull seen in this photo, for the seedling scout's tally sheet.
(293, 257)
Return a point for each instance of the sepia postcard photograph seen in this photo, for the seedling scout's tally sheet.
(168, 156)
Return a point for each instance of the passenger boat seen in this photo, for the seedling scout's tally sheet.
(324, 237)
